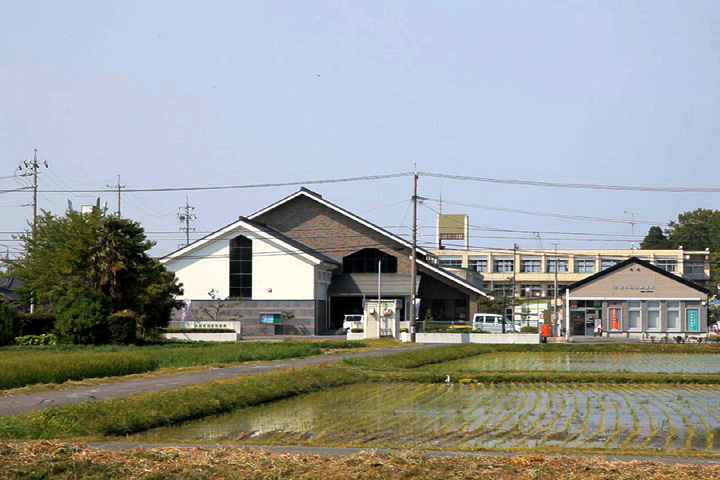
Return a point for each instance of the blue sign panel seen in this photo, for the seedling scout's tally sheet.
(693, 323)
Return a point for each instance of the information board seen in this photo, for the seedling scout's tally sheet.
(693, 323)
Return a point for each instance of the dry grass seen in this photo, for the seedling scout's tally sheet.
(70, 461)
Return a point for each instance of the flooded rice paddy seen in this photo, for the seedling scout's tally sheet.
(584, 362)
(472, 417)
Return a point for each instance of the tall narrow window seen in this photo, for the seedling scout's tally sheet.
(673, 316)
(653, 315)
(241, 267)
(634, 316)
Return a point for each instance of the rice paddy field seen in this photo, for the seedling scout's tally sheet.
(584, 362)
(474, 417)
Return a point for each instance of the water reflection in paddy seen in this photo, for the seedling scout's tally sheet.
(472, 417)
(584, 362)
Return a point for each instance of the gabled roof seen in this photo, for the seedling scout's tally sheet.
(304, 192)
(291, 244)
(8, 287)
(297, 246)
(461, 282)
(644, 263)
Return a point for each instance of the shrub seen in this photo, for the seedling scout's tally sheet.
(37, 323)
(81, 317)
(404, 330)
(9, 324)
(528, 329)
(356, 330)
(122, 328)
(44, 339)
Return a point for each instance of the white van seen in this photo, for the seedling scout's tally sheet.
(352, 321)
(493, 323)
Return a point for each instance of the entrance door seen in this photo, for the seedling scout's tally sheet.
(592, 319)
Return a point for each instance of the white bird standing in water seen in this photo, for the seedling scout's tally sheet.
(447, 379)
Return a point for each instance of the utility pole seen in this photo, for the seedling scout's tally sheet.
(632, 226)
(515, 249)
(186, 215)
(413, 268)
(119, 186)
(30, 169)
(555, 290)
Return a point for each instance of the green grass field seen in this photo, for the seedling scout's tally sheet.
(21, 366)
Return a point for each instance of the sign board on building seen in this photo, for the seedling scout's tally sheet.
(614, 319)
(693, 323)
(452, 226)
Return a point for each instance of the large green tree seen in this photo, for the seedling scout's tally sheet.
(696, 230)
(655, 240)
(97, 253)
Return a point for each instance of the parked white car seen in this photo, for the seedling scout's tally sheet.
(352, 321)
(493, 323)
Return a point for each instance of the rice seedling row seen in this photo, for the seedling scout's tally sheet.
(474, 417)
(583, 362)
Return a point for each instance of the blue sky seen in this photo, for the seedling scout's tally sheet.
(171, 94)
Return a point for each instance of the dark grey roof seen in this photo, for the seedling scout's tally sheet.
(299, 246)
(645, 264)
(8, 287)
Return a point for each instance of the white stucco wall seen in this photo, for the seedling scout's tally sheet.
(277, 274)
(280, 276)
(202, 269)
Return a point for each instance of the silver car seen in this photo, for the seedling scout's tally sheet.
(493, 323)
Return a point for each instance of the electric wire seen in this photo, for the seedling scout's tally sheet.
(237, 187)
(534, 183)
(548, 214)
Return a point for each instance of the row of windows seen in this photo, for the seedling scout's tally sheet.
(562, 266)
(527, 290)
(654, 316)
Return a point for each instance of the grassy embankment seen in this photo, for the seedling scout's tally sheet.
(125, 415)
(75, 461)
(21, 366)
(140, 412)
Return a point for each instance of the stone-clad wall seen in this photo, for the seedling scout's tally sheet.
(302, 324)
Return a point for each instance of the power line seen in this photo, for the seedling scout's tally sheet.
(236, 187)
(547, 214)
(573, 185)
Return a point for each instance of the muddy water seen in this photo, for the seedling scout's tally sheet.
(584, 362)
(472, 417)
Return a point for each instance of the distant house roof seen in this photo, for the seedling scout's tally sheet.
(644, 263)
(8, 288)
(304, 192)
(293, 246)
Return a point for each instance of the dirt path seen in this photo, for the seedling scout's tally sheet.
(27, 403)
